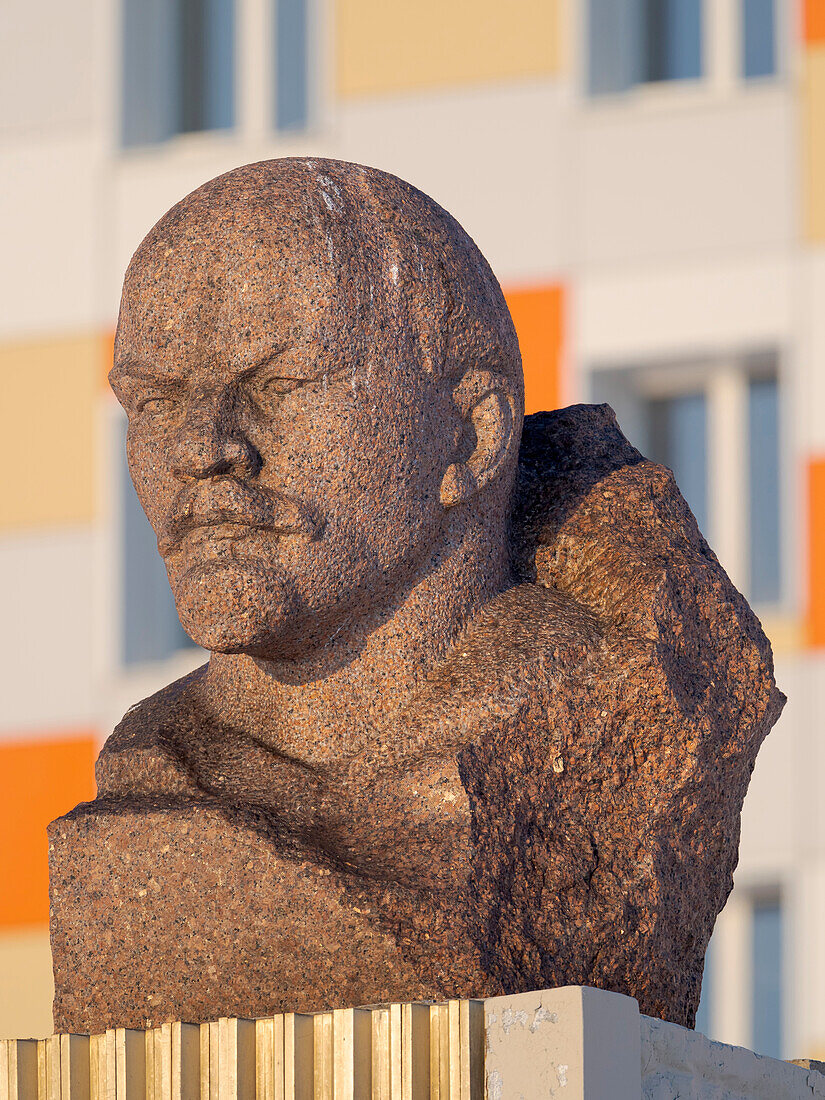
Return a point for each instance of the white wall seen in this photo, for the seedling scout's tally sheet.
(47, 637)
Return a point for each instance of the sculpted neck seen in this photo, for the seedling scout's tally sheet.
(323, 705)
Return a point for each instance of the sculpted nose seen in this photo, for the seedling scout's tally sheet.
(210, 444)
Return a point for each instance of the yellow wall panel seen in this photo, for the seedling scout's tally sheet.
(26, 985)
(400, 45)
(48, 394)
(814, 142)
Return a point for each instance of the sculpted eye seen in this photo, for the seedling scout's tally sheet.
(156, 403)
(269, 392)
(279, 387)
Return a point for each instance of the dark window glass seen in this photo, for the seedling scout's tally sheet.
(638, 41)
(291, 64)
(151, 629)
(758, 38)
(673, 33)
(766, 960)
(677, 434)
(764, 490)
(614, 45)
(149, 86)
(178, 68)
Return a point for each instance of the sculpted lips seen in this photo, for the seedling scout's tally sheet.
(230, 501)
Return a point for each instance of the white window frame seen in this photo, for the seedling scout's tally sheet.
(255, 67)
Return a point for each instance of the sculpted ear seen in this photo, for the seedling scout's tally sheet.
(487, 409)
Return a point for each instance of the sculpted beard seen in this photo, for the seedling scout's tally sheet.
(220, 544)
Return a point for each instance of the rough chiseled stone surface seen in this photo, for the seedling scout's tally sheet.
(482, 706)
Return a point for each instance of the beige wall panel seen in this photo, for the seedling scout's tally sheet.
(49, 392)
(46, 79)
(646, 310)
(675, 176)
(783, 844)
(496, 158)
(813, 114)
(474, 150)
(808, 957)
(772, 824)
(26, 985)
(783, 820)
(395, 46)
(47, 595)
(53, 218)
(810, 425)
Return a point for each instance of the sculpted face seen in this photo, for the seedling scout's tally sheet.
(292, 438)
(289, 473)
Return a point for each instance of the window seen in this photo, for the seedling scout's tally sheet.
(634, 42)
(637, 42)
(151, 630)
(742, 1000)
(291, 64)
(717, 426)
(766, 963)
(677, 430)
(758, 38)
(763, 488)
(178, 68)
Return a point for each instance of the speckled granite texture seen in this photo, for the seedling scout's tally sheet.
(482, 706)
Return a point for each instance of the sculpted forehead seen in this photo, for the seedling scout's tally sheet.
(286, 251)
(225, 281)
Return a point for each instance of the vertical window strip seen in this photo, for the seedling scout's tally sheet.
(291, 64)
(219, 64)
(758, 38)
(766, 962)
(764, 491)
(151, 630)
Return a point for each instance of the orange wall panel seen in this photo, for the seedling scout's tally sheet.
(814, 20)
(538, 314)
(39, 781)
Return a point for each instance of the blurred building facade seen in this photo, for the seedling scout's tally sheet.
(647, 179)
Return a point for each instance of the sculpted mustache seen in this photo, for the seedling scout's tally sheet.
(230, 501)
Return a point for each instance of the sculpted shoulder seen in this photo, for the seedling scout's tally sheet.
(143, 754)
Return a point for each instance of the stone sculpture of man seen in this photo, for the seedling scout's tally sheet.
(480, 710)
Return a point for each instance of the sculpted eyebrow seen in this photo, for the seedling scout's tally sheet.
(141, 372)
(308, 371)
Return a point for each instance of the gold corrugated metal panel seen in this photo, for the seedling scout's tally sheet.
(48, 395)
(386, 1052)
(395, 46)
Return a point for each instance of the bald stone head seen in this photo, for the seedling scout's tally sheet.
(324, 395)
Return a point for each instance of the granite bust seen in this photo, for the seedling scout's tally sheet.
(481, 706)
